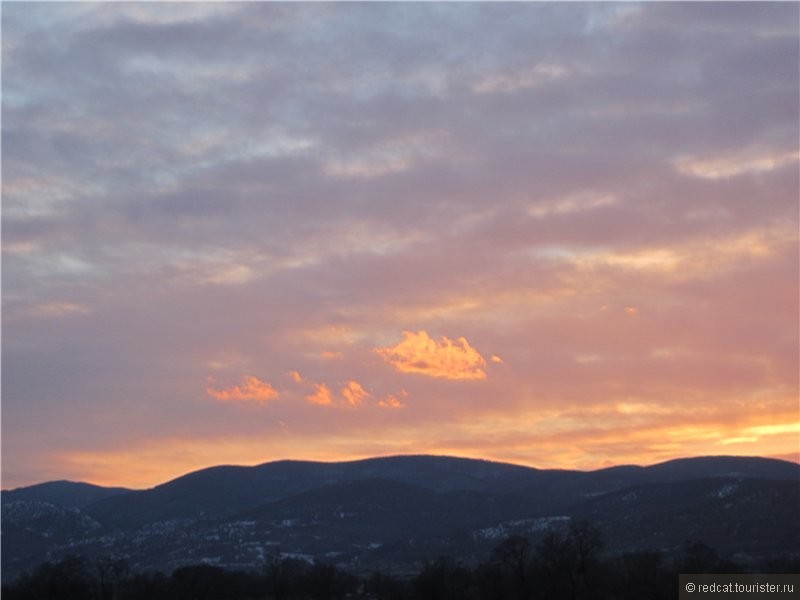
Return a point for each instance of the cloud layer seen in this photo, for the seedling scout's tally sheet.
(569, 230)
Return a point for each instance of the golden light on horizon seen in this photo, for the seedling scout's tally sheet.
(579, 443)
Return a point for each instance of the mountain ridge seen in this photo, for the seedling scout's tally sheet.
(388, 512)
(62, 492)
(377, 459)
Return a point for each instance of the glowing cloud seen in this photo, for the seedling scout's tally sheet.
(295, 376)
(322, 396)
(732, 165)
(252, 390)
(390, 402)
(419, 353)
(354, 393)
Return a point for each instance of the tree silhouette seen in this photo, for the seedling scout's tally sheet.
(68, 579)
(200, 582)
(644, 576)
(280, 573)
(110, 572)
(326, 582)
(444, 579)
(384, 587)
(565, 564)
(513, 557)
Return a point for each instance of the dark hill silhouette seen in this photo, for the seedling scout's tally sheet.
(226, 490)
(394, 511)
(723, 466)
(722, 511)
(223, 491)
(380, 509)
(69, 494)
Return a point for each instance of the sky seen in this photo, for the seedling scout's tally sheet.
(563, 235)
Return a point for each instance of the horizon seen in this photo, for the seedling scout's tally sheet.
(558, 234)
(787, 459)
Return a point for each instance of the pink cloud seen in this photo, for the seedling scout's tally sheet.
(390, 402)
(295, 376)
(252, 390)
(322, 395)
(419, 353)
(354, 393)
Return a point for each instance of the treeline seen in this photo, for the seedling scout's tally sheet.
(566, 565)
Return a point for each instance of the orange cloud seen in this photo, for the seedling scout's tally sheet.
(419, 353)
(295, 376)
(354, 393)
(252, 390)
(322, 396)
(391, 402)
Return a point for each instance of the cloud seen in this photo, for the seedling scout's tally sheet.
(252, 390)
(354, 393)
(295, 376)
(322, 395)
(391, 156)
(733, 165)
(419, 353)
(390, 402)
(58, 309)
(536, 75)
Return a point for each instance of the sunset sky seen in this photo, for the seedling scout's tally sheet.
(560, 235)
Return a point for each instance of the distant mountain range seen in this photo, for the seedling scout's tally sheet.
(392, 513)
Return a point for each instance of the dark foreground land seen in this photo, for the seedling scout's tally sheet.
(379, 528)
(569, 565)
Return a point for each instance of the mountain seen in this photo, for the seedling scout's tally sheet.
(68, 494)
(721, 511)
(223, 491)
(390, 513)
(37, 518)
(226, 490)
